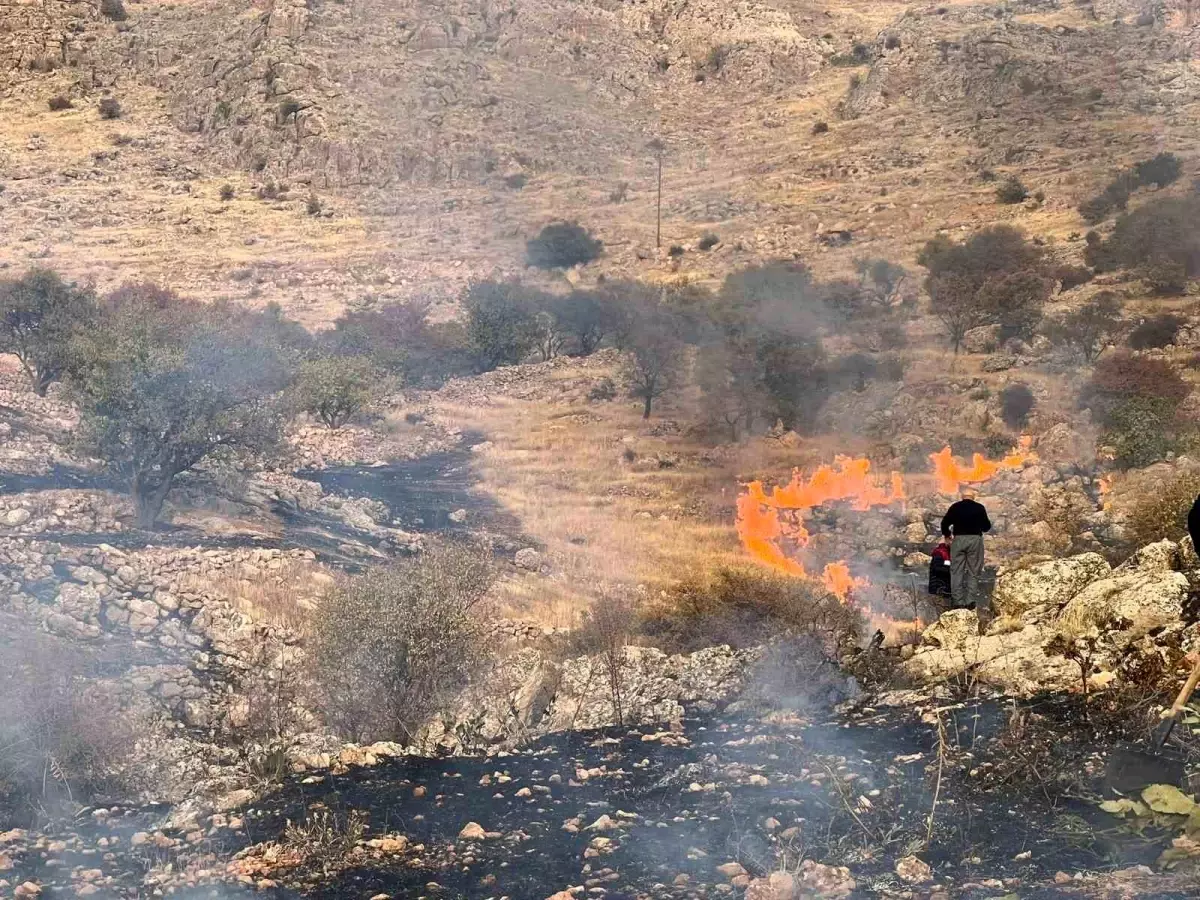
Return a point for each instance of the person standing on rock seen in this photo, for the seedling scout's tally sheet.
(965, 523)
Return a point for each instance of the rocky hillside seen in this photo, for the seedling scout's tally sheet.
(435, 137)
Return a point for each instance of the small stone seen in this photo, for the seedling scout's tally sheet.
(731, 869)
(472, 831)
(419, 792)
(1062, 878)
(913, 870)
(528, 559)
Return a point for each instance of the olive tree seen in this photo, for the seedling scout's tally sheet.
(169, 382)
(41, 320)
(337, 388)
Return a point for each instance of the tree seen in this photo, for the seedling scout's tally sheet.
(1016, 403)
(501, 323)
(1088, 330)
(400, 339)
(169, 382)
(881, 279)
(994, 277)
(1156, 332)
(1159, 242)
(1121, 378)
(42, 319)
(337, 388)
(655, 357)
(561, 245)
(550, 335)
(587, 318)
(392, 647)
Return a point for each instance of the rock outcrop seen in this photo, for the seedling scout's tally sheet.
(1079, 598)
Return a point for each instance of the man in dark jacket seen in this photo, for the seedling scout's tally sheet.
(1194, 524)
(965, 523)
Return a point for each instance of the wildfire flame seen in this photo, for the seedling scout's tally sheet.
(950, 474)
(770, 524)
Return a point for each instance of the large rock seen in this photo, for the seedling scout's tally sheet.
(1145, 598)
(1046, 585)
(955, 630)
(984, 339)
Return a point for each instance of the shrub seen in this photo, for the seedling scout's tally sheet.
(1160, 170)
(1011, 190)
(1159, 241)
(708, 240)
(820, 128)
(1088, 330)
(1155, 332)
(603, 391)
(1071, 277)
(675, 251)
(892, 42)
(1161, 512)
(337, 388)
(314, 205)
(859, 55)
(113, 9)
(1016, 403)
(745, 607)
(227, 192)
(59, 103)
(43, 322)
(1122, 377)
(1140, 432)
(110, 108)
(502, 323)
(394, 646)
(288, 109)
(561, 245)
(516, 181)
(64, 737)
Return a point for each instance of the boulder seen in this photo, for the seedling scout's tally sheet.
(1001, 362)
(913, 870)
(819, 880)
(984, 339)
(1046, 585)
(777, 886)
(1145, 598)
(954, 630)
(17, 517)
(528, 559)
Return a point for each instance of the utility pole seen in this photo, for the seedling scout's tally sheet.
(657, 147)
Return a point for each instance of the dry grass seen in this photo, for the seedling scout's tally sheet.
(283, 596)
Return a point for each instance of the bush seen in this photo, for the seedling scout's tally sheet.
(1161, 170)
(110, 108)
(1016, 403)
(1122, 377)
(394, 646)
(227, 192)
(1140, 432)
(1011, 190)
(1088, 330)
(708, 241)
(337, 388)
(603, 391)
(113, 9)
(675, 251)
(59, 103)
(1159, 241)
(313, 206)
(892, 42)
(1155, 332)
(745, 607)
(820, 128)
(502, 323)
(1071, 277)
(562, 245)
(64, 738)
(43, 322)
(1162, 511)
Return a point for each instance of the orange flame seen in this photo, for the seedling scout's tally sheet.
(839, 582)
(950, 474)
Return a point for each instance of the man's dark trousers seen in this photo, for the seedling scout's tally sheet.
(966, 570)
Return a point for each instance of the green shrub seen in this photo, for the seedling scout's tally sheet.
(1140, 432)
(562, 245)
(708, 241)
(59, 103)
(110, 108)
(502, 323)
(114, 10)
(227, 192)
(1159, 241)
(337, 388)
(1161, 170)
(1072, 276)
(745, 607)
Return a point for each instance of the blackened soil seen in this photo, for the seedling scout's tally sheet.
(857, 792)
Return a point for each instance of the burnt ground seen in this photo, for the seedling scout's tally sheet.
(855, 791)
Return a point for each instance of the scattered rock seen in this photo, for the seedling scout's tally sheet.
(913, 870)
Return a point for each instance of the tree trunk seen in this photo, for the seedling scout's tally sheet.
(148, 500)
(649, 401)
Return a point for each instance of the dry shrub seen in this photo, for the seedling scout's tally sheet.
(1161, 512)
(745, 607)
(798, 673)
(390, 648)
(1122, 377)
(606, 629)
(64, 737)
(324, 839)
(1065, 510)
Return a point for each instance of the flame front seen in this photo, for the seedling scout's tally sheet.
(839, 582)
(951, 474)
